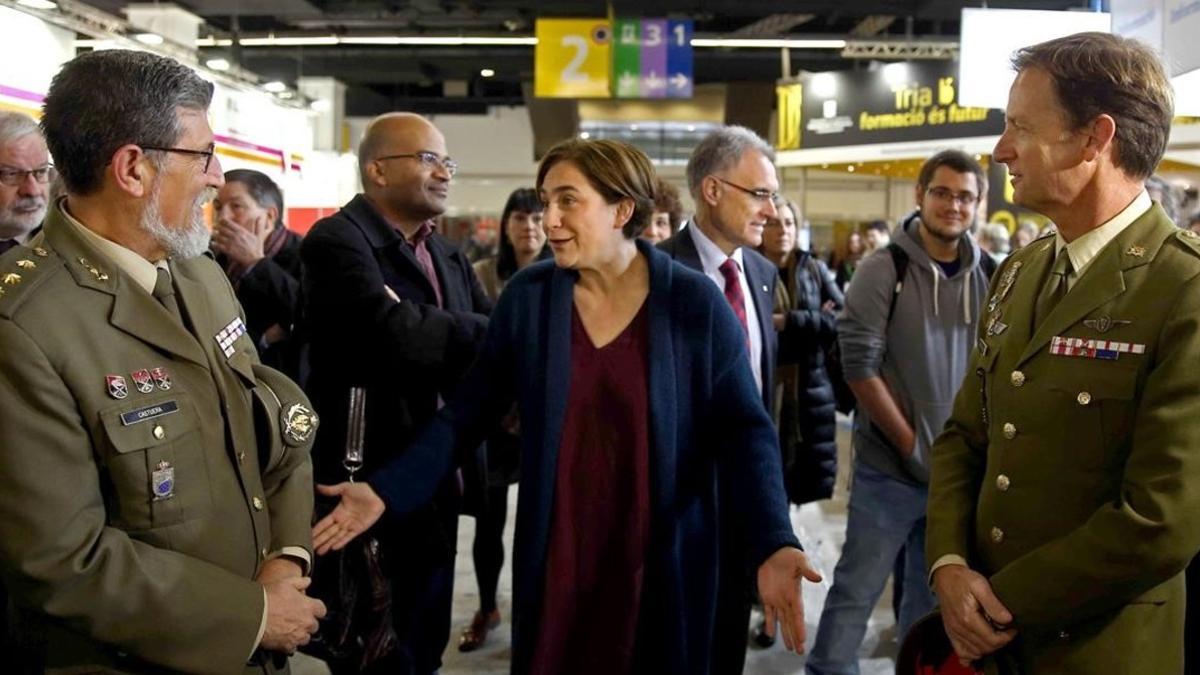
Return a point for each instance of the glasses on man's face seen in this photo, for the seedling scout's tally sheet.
(760, 194)
(428, 160)
(207, 154)
(942, 194)
(14, 177)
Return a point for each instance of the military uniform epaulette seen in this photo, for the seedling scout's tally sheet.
(1190, 241)
(23, 270)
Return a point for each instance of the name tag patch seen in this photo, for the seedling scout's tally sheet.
(229, 334)
(149, 412)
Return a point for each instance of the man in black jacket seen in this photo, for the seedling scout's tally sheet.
(394, 308)
(261, 257)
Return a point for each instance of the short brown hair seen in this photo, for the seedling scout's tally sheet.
(615, 169)
(666, 199)
(959, 162)
(1100, 74)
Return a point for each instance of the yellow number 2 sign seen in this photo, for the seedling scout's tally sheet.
(573, 58)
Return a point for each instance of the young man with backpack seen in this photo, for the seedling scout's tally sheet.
(905, 337)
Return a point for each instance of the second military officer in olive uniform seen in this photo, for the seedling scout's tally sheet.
(157, 490)
(1063, 506)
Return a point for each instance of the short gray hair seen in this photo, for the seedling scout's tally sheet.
(15, 126)
(720, 150)
(100, 101)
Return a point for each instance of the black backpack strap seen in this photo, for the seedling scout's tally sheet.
(987, 263)
(900, 262)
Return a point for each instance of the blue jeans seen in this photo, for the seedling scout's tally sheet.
(885, 514)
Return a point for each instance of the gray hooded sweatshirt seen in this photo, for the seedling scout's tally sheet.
(921, 353)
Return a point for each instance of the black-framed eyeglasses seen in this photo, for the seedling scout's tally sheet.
(760, 194)
(967, 199)
(429, 160)
(206, 154)
(14, 177)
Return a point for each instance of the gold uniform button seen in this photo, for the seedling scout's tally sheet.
(241, 457)
(997, 535)
(1084, 398)
(1017, 378)
(1010, 430)
(258, 504)
(159, 432)
(1002, 483)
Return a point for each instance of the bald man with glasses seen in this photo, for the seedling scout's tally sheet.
(394, 309)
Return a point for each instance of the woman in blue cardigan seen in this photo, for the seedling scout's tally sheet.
(638, 407)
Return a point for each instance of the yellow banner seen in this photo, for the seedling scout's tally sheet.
(788, 97)
(572, 59)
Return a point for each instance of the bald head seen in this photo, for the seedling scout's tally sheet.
(404, 168)
(387, 130)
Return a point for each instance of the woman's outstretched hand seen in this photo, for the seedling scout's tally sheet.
(779, 581)
(359, 509)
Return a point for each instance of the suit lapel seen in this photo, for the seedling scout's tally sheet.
(764, 308)
(685, 250)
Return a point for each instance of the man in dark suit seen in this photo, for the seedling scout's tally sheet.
(394, 308)
(731, 176)
(261, 257)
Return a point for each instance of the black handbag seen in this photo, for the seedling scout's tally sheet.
(357, 629)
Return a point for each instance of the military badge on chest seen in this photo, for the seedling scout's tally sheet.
(162, 481)
(228, 335)
(994, 325)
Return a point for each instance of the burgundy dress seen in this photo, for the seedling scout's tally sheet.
(600, 523)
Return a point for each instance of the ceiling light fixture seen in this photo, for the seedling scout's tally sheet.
(38, 4)
(493, 41)
(217, 64)
(487, 72)
(151, 39)
(275, 86)
(752, 43)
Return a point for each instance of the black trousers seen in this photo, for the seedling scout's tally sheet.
(488, 548)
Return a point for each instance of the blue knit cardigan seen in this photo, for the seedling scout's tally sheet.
(708, 427)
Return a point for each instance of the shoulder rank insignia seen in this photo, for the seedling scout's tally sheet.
(26, 264)
(1136, 251)
(11, 279)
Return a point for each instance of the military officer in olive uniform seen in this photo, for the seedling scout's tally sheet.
(1063, 505)
(156, 492)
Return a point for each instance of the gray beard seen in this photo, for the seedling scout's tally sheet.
(12, 225)
(185, 242)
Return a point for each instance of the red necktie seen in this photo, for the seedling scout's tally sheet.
(733, 293)
(426, 260)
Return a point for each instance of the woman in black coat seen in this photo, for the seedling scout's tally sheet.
(806, 303)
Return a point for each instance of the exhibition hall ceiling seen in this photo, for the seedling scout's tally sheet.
(449, 79)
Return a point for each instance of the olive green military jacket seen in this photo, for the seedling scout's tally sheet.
(1073, 481)
(145, 472)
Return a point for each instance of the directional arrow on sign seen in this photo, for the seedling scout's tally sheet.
(680, 81)
(627, 84)
(653, 81)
